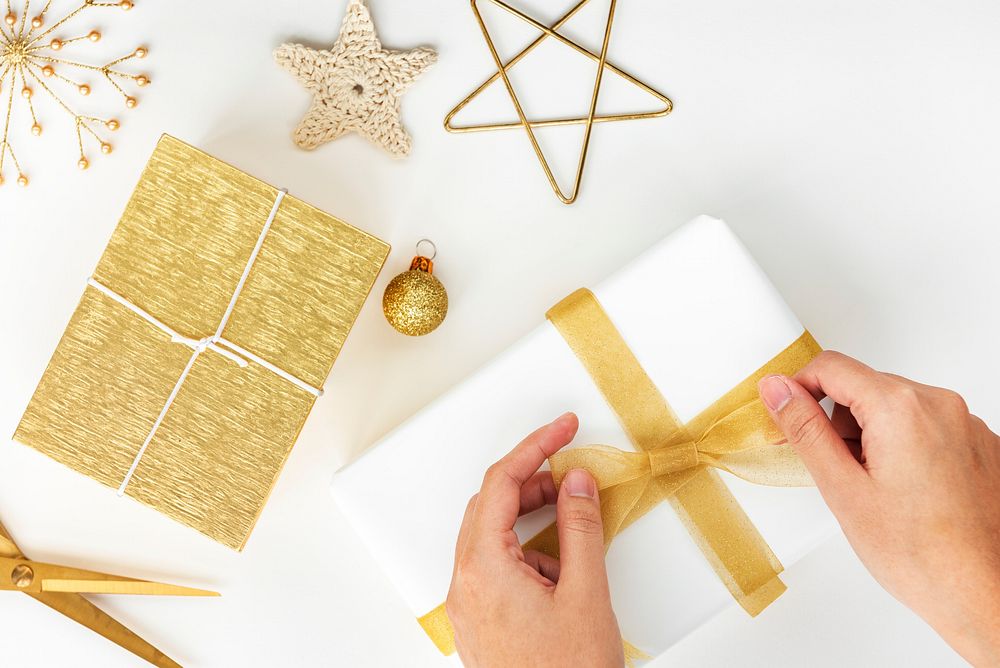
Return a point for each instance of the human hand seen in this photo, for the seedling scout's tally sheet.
(515, 608)
(914, 480)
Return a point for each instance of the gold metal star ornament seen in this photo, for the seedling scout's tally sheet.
(530, 125)
(356, 85)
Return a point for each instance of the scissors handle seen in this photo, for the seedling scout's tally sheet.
(79, 609)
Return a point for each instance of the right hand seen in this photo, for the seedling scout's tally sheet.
(914, 480)
(512, 607)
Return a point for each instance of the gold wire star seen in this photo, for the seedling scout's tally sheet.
(356, 85)
(588, 120)
(32, 61)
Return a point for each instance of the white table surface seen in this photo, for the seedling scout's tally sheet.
(853, 146)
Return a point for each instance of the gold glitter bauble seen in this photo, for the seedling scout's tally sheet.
(415, 302)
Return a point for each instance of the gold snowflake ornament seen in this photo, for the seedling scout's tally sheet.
(32, 67)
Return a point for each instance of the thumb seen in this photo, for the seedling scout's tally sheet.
(581, 537)
(809, 430)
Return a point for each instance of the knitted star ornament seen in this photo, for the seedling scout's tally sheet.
(356, 85)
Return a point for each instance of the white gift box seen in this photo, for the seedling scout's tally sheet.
(700, 315)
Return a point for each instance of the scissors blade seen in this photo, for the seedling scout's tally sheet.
(122, 586)
(84, 612)
(35, 577)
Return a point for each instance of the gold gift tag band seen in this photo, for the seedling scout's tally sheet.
(215, 342)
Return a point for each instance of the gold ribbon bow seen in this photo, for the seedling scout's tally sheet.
(673, 461)
(743, 442)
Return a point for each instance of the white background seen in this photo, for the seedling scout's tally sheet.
(853, 146)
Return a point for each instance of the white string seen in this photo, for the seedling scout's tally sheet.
(175, 336)
(159, 421)
(298, 382)
(249, 264)
(241, 356)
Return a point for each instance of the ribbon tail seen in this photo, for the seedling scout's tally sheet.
(545, 541)
(729, 541)
(617, 504)
(438, 628)
(633, 654)
(655, 494)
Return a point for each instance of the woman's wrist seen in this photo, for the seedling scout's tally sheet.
(973, 629)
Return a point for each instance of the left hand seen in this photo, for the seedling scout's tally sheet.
(516, 608)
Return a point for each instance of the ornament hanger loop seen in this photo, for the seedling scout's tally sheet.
(434, 250)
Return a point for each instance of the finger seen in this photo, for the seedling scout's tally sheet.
(500, 497)
(845, 380)
(547, 567)
(539, 491)
(848, 429)
(809, 430)
(845, 424)
(463, 532)
(581, 539)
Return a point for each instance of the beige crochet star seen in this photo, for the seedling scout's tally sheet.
(356, 85)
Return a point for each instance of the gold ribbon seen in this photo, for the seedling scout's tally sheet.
(674, 461)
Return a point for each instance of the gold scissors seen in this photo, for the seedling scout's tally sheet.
(61, 588)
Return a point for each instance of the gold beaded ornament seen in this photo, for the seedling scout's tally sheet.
(415, 302)
(31, 61)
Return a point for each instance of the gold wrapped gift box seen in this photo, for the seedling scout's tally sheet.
(179, 253)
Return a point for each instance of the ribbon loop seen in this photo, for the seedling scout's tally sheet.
(609, 466)
(741, 440)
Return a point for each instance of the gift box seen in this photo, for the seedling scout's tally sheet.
(693, 321)
(201, 342)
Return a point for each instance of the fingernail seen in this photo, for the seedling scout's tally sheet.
(563, 417)
(775, 392)
(580, 483)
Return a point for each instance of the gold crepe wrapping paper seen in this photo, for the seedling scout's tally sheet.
(178, 252)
